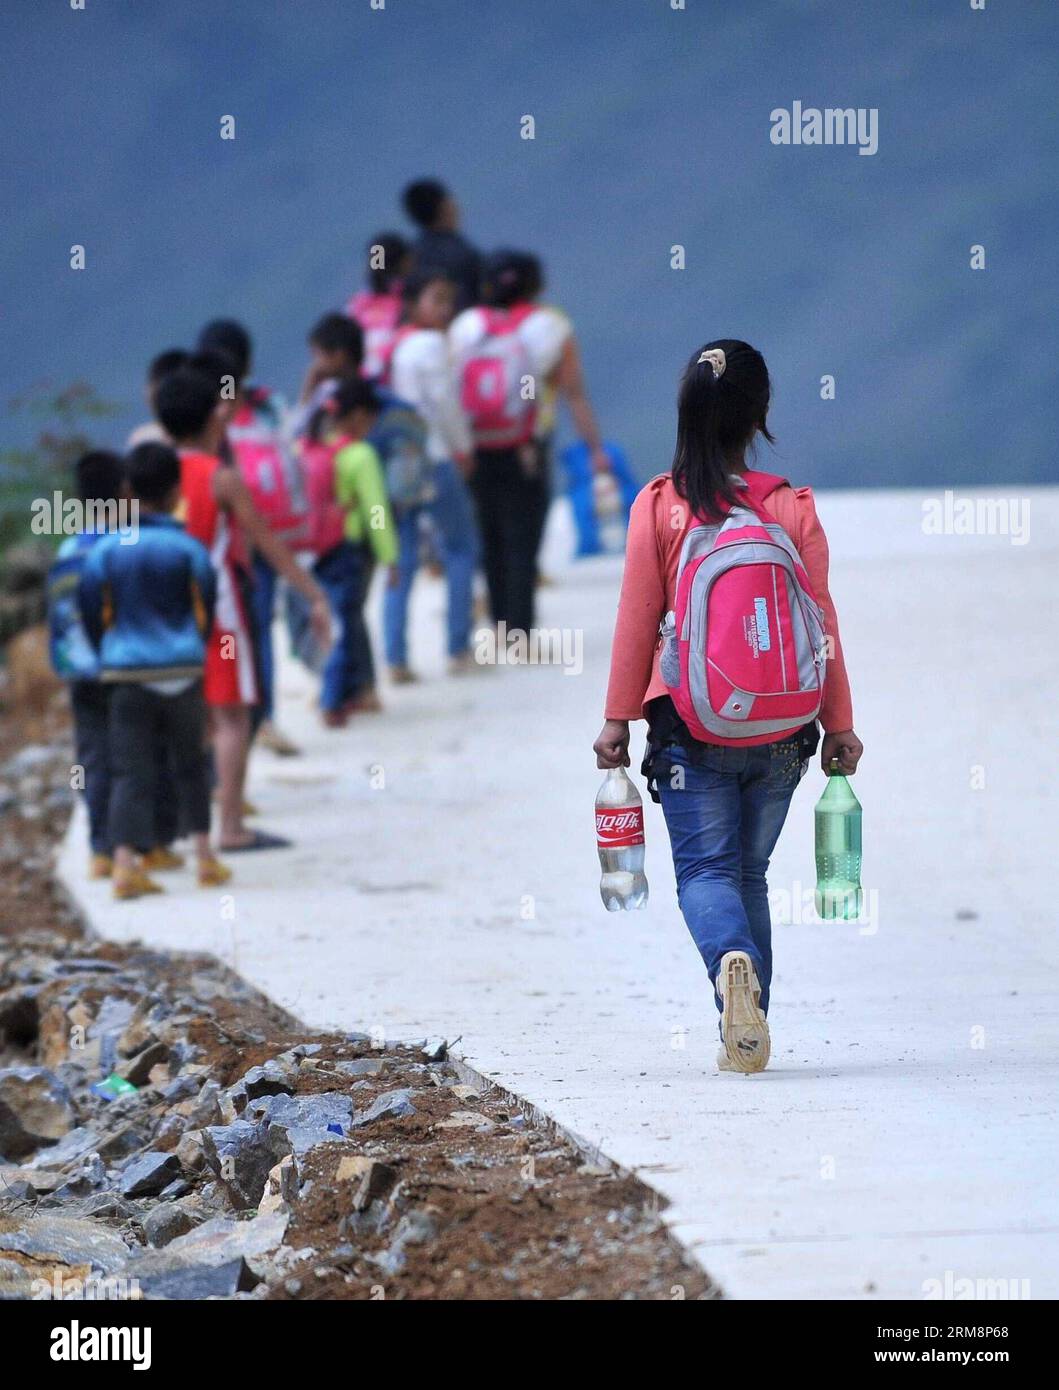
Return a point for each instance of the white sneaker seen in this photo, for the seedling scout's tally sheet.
(744, 1027)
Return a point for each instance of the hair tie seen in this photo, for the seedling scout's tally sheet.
(330, 406)
(717, 360)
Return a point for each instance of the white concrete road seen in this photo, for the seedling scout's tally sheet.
(906, 1129)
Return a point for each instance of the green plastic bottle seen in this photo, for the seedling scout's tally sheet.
(838, 831)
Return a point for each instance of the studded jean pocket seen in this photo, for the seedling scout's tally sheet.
(788, 767)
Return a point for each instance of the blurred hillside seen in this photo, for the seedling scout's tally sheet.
(652, 129)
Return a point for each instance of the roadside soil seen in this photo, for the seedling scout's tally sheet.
(473, 1196)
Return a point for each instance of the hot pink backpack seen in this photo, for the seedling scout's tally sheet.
(491, 379)
(378, 315)
(326, 521)
(743, 651)
(267, 468)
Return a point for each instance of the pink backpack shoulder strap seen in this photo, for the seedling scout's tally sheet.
(759, 485)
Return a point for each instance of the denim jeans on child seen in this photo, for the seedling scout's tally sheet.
(452, 513)
(264, 601)
(344, 574)
(724, 813)
(90, 702)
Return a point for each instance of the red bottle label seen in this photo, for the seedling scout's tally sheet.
(617, 826)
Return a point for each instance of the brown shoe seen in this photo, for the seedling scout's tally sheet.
(367, 702)
(160, 859)
(100, 866)
(134, 883)
(268, 736)
(212, 873)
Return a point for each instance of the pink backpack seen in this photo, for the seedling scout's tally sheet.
(378, 315)
(491, 381)
(743, 651)
(265, 465)
(384, 376)
(325, 526)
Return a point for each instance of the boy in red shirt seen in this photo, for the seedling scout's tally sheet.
(218, 510)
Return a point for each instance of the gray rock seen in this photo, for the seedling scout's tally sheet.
(188, 1282)
(298, 1141)
(124, 1140)
(66, 1240)
(15, 1190)
(70, 1147)
(271, 1079)
(231, 1103)
(137, 1070)
(435, 1049)
(390, 1105)
(103, 1206)
(89, 1176)
(147, 1175)
(35, 1109)
(165, 1222)
(240, 1156)
(223, 1238)
(177, 1188)
(206, 1110)
(141, 1025)
(304, 1117)
(190, 1152)
(172, 1127)
(414, 1228)
(362, 1066)
(181, 1088)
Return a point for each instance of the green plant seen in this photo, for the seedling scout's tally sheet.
(62, 419)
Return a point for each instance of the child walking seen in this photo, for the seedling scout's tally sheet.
(217, 509)
(724, 799)
(148, 607)
(422, 374)
(100, 479)
(351, 529)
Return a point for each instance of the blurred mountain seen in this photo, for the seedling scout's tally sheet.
(652, 131)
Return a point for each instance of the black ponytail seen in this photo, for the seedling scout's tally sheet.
(353, 393)
(717, 417)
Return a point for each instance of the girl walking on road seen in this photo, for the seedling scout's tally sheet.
(421, 373)
(500, 347)
(724, 794)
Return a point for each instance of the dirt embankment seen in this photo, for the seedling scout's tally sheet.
(244, 1156)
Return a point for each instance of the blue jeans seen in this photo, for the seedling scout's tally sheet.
(344, 574)
(264, 601)
(452, 513)
(723, 825)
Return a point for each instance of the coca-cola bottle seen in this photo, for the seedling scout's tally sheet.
(619, 839)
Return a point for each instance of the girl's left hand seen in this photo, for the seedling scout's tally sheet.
(846, 747)
(612, 746)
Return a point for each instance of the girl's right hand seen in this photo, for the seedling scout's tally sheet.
(612, 746)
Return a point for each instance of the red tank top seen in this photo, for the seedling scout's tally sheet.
(203, 518)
